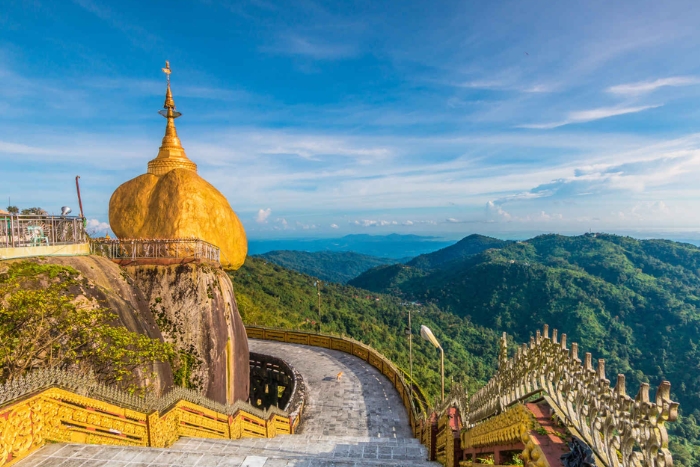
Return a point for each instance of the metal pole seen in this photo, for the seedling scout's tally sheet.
(80, 201)
(442, 373)
(318, 290)
(410, 351)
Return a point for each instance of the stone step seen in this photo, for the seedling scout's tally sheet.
(318, 438)
(336, 448)
(80, 455)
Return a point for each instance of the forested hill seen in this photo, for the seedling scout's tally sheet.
(468, 246)
(388, 278)
(268, 294)
(334, 266)
(633, 302)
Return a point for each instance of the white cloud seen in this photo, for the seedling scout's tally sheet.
(496, 212)
(313, 48)
(583, 116)
(642, 87)
(306, 226)
(452, 220)
(334, 226)
(262, 216)
(507, 85)
(374, 222)
(94, 225)
(648, 210)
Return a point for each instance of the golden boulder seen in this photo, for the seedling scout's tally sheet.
(173, 201)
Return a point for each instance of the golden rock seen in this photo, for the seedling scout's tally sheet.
(172, 201)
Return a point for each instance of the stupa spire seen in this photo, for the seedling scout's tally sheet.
(171, 154)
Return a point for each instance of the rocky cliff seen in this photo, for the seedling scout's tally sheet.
(106, 285)
(195, 308)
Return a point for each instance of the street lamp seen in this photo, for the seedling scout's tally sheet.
(428, 335)
(318, 291)
(410, 349)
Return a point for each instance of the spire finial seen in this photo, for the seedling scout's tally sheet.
(167, 71)
(169, 105)
(171, 154)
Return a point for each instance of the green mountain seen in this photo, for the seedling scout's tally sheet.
(633, 302)
(468, 246)
(270, 295)
(333, 266)
(388, 278)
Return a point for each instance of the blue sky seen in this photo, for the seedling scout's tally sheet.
(328, 118)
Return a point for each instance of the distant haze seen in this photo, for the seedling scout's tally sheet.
(389, 246)
(408, 246)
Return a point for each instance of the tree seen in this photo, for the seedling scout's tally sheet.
(44, 325)
(34, 211)
(13, 209)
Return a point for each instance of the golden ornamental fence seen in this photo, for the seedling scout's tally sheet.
(133, 249)
(58, 406)
(620, 430)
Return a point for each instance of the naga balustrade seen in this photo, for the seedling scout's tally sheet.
(621, 431)
(60, 406)
(134, 249)
(40, 230)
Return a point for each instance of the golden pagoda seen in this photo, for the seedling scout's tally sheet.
(172, 201)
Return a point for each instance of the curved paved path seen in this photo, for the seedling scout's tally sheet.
(356, 421)
(362, 403)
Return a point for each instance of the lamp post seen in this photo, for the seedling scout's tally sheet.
(318, 291)
(428, 335)
(410, 349)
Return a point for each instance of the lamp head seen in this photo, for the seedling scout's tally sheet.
(65, 210)
(428, 335)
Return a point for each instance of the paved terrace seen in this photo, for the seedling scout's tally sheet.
(357, 420)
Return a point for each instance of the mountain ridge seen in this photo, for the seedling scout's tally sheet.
(333, 266)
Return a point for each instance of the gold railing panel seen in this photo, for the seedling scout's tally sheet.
(34, 411)
(443, 433)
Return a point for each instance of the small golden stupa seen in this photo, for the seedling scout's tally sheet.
(172, 201)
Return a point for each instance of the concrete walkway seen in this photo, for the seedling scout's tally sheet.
(355, 420)
(361, 403)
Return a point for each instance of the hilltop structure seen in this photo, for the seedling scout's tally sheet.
(174, 229)
(172, 201)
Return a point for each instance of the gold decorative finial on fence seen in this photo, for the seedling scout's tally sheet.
(623, 432)
(503, 351)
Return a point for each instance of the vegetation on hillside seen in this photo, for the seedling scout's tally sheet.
(388, 279)
(633, 302)
(45, 322)
(468, 246)
(333, 266)
(270, 295)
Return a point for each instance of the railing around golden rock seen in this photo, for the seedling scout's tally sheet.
(40, 230)
(59, 406)
(155, 248)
